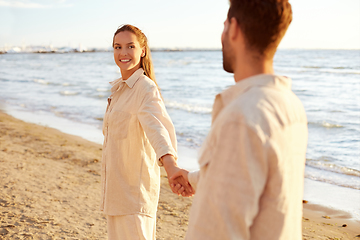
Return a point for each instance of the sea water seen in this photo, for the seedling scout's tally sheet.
(69, 92)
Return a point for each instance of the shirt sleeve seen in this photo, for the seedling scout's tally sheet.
(194, 178)
(157, 124)
(231, 184)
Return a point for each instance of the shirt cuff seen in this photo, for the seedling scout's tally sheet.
(164, 152)
(193, 178)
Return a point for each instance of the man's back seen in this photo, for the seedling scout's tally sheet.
(252, 164)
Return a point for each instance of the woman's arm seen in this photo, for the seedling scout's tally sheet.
(179, 184)
(157, 124)
(160, 131)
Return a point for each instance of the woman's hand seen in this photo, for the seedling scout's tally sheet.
(178, 183)
(177, 187)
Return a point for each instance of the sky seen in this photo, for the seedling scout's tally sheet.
(317, 24)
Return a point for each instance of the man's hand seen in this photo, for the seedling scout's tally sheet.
(177, 187)
(178, 184)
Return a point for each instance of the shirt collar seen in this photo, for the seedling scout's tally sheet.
(261, 80)
(131, 81)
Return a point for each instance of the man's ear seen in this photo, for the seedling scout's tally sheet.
(236, 35)
(233, 29)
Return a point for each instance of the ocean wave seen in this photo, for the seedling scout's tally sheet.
(178, 62)
(188, 107)
(325, 170)
(40, 81)
(59, 114)
(342, 183)
(102, 90)
(99, 96)
(316, 67)
(332, 167)
(68, 93)
(342, 70)
(326, 124)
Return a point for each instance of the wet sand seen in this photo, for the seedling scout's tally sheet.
(50, 189)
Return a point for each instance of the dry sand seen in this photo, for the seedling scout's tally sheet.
(50, 189)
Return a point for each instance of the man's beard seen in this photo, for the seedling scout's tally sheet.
(228, 55)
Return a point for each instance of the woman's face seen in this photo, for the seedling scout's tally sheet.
(127, 53)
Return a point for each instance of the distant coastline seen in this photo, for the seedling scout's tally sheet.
(80, 49)
(50, 49)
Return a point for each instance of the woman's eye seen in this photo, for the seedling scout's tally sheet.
(117, 47)
(131, 46)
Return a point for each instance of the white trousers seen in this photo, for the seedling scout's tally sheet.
(131, 227)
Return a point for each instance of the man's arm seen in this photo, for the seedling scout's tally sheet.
(231, 184)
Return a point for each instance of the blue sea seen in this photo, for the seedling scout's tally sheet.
(69, 92)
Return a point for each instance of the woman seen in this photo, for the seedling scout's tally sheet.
(138, 138)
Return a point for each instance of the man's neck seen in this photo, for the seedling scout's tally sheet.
(249, 67)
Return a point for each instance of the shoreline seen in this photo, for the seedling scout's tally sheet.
(315, 192)
(50, 184)
(45, 171)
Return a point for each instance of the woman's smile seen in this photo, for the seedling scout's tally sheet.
(125, 60)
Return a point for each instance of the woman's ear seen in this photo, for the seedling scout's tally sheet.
(143, 52)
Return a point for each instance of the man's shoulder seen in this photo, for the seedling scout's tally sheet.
(260, 99)
(265, 108)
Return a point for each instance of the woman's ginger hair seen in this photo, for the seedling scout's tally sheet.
(145, 62)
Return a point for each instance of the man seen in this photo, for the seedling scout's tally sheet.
(250, 183)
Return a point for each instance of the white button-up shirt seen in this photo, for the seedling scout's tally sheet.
(250, 184)
(137, 133)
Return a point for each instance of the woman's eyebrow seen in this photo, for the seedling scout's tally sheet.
(126, 43)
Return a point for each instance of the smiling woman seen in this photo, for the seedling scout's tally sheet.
(139, 136)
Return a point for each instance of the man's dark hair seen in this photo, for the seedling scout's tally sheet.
(263, 22)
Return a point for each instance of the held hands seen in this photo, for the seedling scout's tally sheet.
(176, 183)
(177, 177)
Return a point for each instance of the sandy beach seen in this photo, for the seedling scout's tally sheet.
(50, 189)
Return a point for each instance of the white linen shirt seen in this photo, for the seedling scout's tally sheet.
(251, 178)
(137, 133)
